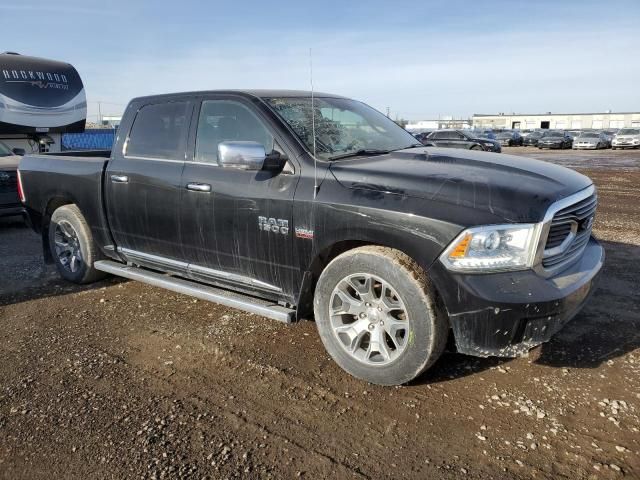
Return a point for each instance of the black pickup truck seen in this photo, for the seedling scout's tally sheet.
(287, 205)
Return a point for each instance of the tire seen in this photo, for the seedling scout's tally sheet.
(476, 147)
(72, 246)
(421, 328)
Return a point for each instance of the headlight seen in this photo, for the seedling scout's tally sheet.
(488, 144)
(493, 248)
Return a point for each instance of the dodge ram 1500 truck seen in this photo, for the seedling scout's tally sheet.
(287, 204)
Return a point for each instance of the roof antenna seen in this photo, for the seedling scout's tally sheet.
(313, 128)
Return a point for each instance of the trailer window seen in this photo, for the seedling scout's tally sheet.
(160, 131)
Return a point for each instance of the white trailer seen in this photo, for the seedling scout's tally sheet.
(40, 100)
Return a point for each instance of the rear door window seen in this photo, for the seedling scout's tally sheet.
(160, 131)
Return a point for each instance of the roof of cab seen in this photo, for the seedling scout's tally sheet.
(247, 93)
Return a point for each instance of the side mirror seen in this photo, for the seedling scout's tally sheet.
(18, 151)
(241, 155)
(274, 162)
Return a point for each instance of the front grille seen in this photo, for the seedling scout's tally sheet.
(575, 221)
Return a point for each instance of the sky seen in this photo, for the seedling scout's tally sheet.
(421, 60)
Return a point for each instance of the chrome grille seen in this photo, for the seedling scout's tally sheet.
(569, 232)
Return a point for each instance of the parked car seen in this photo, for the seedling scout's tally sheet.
(324, 205)
(575, 133)
(420, 136)
(555, 139)
(483, 133)
(526, 132)
(510, 138)
(626, 138)
(461, 139)
(591, 140)
(532, 138)
(9, 199)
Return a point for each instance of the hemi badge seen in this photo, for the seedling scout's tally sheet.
(304, 233)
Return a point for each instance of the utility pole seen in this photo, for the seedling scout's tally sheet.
(99, 113)
(388, 112)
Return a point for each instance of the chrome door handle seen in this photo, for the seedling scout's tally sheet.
(119, 179)
(199, 187)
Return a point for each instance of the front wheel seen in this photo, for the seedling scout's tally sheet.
(72, 246)
(476, 147)
(377, 317)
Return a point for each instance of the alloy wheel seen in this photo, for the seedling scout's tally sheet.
(67, 246)
(369, 319)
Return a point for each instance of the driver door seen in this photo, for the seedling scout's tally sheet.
(224, 234)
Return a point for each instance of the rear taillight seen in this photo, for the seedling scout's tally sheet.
(20, 189)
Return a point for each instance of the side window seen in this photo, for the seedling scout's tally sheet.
(160, 131)
(227, 120)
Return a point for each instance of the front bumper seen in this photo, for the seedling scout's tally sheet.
(549, 145)
(588, 146)
(507, 314)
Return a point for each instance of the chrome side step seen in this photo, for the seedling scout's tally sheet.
(249, 304)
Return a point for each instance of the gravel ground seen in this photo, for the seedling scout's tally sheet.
(121, 380)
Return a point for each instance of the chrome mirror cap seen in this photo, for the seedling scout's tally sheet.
(241, 155)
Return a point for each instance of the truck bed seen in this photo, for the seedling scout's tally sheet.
(49, 180)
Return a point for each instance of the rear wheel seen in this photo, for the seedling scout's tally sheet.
(72, 246)
(377, 317)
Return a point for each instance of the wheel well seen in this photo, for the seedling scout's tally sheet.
(304, 308)
(52, 206)
(305, 297)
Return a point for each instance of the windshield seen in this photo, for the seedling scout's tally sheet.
(343, 127)
(629, 131)
(5, 151)
(535, 135)
(589, 135)
(553, 134)
(504, 135)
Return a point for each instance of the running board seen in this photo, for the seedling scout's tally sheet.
(204, 292)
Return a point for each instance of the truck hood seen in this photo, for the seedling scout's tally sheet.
(515, 189)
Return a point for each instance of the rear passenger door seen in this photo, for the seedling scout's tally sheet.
(143, 184)
(223, 209)
(458, 140)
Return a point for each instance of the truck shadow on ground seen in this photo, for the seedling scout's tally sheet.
(608, 327)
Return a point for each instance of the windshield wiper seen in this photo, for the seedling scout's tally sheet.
(413, 145)
(359, 153)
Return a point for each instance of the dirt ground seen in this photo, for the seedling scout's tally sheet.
(121, 380)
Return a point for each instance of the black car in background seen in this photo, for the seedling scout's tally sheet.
(532, 139)
(510, 138)
(555, 139)
(461, 139)
(420, 136)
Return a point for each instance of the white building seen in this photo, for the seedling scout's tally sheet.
(444, 122)
(559, 121)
